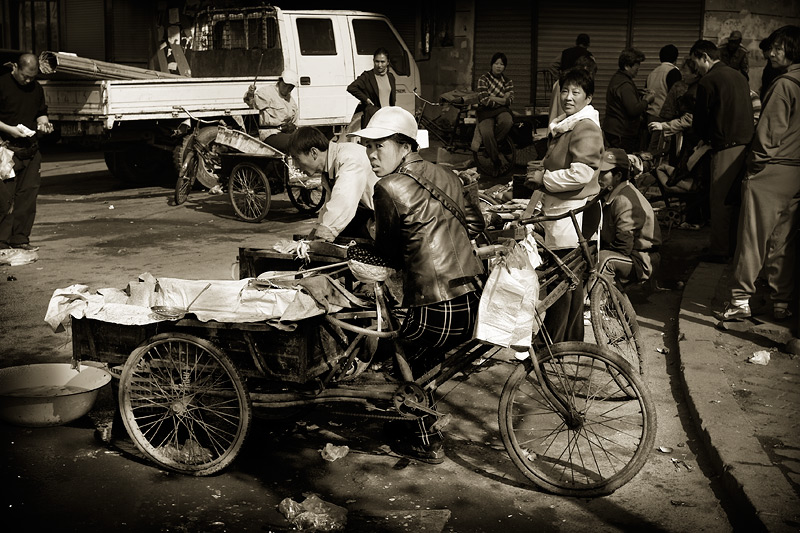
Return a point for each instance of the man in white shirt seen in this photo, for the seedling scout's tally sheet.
(347, 178)
(277, 110)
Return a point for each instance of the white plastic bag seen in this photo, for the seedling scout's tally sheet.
(507, 310)
(6, 163)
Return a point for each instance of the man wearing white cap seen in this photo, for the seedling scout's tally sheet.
(277, 118)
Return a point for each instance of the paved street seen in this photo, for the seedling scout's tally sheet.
(63, 476)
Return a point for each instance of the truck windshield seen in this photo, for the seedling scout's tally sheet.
(372, 34)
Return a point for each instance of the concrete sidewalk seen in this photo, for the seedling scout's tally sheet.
(748, 415)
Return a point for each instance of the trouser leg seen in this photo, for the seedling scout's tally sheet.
(504, 122)
(15, 228)
(615, 264)
(766, 232)
(489, 141)
(726, 166)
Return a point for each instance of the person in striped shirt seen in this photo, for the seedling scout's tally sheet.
(494, 110)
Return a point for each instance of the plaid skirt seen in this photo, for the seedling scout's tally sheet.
(430, 330)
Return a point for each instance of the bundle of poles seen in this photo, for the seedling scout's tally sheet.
(65, 63)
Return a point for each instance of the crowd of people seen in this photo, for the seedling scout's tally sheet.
(415, 212)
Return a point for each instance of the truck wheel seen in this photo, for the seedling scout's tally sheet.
(139, 165)
(207, 173)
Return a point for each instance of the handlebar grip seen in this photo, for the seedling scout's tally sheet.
(485, 252)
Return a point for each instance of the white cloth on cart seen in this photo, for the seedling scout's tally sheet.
(224, 301)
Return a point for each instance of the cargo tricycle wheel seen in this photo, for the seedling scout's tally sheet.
(184, 404)
(249, 191)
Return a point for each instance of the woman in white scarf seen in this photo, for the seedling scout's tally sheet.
(569, 179)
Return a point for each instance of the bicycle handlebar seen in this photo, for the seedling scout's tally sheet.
(198, 119)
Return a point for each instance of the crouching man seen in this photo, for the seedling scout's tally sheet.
(630, 236)
(348, 181)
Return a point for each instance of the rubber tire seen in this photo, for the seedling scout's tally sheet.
(485, 165)
(248, 188)
(186, 179)
(140, 165)
(590, 357)
(630, 348)
(141, 390)
(303, 200)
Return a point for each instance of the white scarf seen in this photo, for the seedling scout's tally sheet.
(564, 123)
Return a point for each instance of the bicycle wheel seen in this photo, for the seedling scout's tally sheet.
(184, 404)
(617, 329)
(604, 442)
(485, 164)
(249, 191)
(185, 179)
(305, 193)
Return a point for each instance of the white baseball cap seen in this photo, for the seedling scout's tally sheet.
(289, 77)
(386, 122)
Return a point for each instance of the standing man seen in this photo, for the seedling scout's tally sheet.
(374, 88)
(723, 119)
(624, 106)
(23, 115)
(277, 118)
(771, 189)
(347, 178)
(661, 80)
(734, 54)
(569, 56)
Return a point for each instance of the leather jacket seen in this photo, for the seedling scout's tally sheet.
(417, 234)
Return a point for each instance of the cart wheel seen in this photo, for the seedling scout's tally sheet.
(590, 439)
(248, 188)
(609, 325)
(184, 404)
(186, 179)
(208, 167)
(485, 164)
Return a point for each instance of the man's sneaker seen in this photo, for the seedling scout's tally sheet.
(734, 312)
(781, 313)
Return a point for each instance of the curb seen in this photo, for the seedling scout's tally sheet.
(759, 489)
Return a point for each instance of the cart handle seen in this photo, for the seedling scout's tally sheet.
(572, 212)
(364, 331)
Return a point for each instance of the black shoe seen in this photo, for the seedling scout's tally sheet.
(25, 246)
(432, 453)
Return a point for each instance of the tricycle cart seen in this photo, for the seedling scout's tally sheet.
(249, 170)
(576, 419)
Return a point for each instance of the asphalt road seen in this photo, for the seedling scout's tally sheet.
(95, 232)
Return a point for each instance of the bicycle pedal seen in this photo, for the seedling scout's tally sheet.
(441, 422)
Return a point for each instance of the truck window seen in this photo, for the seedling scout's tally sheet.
(315, 36)
(244, 29)
(372, 34)
(236, 42)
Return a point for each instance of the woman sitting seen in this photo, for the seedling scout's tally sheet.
(422, 227)
(494, 111)
(569, 178)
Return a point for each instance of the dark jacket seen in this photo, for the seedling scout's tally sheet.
(723, 112)
(418, 235)
(624, 108)
(366, 87)
(570, 55)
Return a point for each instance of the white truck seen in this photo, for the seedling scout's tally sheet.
(136, 122)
